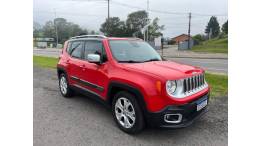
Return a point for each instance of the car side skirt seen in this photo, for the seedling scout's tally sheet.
(90, 94)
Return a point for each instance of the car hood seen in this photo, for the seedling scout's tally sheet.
(165, 69)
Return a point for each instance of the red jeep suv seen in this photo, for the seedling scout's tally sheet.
(129, 76)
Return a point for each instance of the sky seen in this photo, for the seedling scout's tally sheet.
(90, 14)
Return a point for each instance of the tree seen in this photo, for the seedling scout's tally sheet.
(37, 30)
(213, 26)
(198, 38)
(225, 27)
(114, 27)
(48, 30)
(155, 29)
(65, 29)
(135, 22)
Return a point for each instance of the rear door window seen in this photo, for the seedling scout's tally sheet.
(69, 48)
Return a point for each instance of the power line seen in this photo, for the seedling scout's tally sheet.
(108, 17)
(56, 29)
(69, 14)
(76, 2)
(165, 12)
(208, 15)
(150, 10)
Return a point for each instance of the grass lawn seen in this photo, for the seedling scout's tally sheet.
(212, 46)
(46, 62)
(218, 83)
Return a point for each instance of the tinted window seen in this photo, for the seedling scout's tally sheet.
(95, 47)
(76, 49)
(69, 48)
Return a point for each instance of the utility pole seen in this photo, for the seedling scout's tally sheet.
(56, 29)
(108, 16)
(147, 37)
(210, 33)
(189, 31)
(108, 11)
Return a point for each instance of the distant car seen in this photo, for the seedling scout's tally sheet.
(129, 76)
(42, 45)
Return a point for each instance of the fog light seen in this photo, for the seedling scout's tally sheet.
(173, 118)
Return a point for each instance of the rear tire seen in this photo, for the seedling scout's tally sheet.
(127, 113)
(65, 89)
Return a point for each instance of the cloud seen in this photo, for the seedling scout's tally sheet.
(91, 13)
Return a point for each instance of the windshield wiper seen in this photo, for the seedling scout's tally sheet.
(153, 59)
(130, 61)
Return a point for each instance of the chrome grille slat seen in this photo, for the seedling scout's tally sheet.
(200, 80)
(184, 86)
(193, 83)
(197, 83)
(190, 84)
(194, 79)
(203, 79)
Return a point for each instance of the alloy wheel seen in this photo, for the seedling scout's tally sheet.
(125, 113)
(63, 85)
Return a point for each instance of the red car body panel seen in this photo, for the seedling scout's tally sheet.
(141, 76)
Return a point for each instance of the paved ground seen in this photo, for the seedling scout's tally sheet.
(216, 62)
(80, 121)
(212, 65)
(172, 51)
(49, 52)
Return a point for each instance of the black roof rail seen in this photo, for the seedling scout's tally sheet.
(88, 36)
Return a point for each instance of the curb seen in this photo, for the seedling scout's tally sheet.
(195, 57)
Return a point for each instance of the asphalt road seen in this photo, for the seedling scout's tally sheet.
(212, 65)
(80, 121)
(47, 52)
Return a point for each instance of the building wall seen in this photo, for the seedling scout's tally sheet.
(184, 45)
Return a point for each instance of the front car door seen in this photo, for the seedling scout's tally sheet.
(95, 76)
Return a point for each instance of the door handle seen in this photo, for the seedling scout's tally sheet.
(67, 61)
(83, 67)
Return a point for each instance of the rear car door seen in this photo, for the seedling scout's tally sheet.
(75, 60)
(95, 76)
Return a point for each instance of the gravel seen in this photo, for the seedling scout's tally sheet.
(80, 121)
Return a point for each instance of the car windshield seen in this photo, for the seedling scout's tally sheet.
(133, 51)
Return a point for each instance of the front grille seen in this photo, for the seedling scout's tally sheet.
(193, 83)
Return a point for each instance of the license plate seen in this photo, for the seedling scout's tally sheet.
(202, 104)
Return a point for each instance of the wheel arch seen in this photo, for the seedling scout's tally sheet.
(61, 70)
(115, 87)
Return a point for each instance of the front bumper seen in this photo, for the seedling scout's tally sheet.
(188, 111)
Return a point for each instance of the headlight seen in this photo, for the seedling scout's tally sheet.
(171, 87)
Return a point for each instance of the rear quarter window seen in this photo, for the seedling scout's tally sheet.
(69, 48)
(76, 49)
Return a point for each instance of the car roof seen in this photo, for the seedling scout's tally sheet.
(100, 37)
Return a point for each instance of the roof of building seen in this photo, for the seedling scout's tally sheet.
(180, 35)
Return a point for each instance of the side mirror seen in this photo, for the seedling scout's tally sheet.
(93, 58)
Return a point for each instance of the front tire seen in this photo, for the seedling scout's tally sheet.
(127, 113)
(65, 89)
